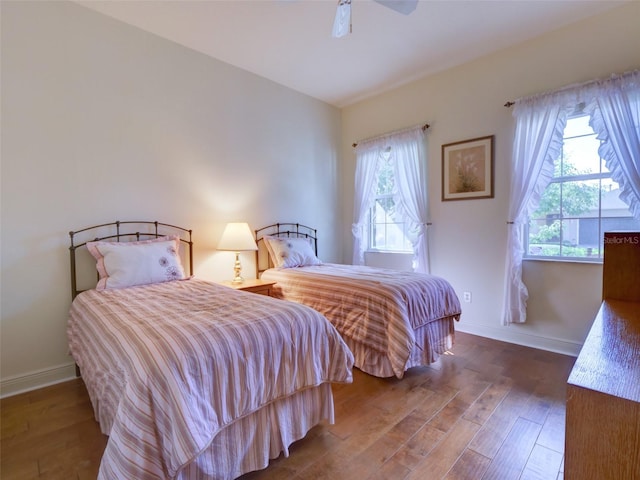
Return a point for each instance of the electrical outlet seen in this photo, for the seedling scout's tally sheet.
(466, 297)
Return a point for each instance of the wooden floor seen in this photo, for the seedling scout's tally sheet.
(488, 410)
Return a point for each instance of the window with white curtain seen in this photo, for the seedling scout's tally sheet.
(541, 158)
(390, 196)
(580, 203)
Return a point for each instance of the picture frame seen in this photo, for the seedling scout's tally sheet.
(467, 169)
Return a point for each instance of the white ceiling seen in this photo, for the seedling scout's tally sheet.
(290, 42)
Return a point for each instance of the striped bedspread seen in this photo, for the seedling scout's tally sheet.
(379, 308)
(168, 365)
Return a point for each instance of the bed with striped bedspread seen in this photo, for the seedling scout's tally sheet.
(184, 376)
(391, 320)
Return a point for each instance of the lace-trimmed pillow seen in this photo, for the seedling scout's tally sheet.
(288, 252)
(126, 264)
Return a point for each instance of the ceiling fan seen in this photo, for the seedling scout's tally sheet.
(342, 22)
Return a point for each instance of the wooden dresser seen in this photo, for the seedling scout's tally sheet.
(602, 439)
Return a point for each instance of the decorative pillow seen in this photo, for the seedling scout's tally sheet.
(288, 252)
(125, 264)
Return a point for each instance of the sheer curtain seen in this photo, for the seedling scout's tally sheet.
(406, 151)
(615, 117)
(614, 106)
(538, 140)
(366, 174)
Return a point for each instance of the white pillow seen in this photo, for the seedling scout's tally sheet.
(125, 264)
(291, 252)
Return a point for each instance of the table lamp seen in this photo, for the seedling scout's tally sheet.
(237, 237)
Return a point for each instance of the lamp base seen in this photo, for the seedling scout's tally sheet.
(237, 268)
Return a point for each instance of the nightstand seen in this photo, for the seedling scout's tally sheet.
(261, 287)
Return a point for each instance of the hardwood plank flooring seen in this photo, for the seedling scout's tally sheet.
(487, 410)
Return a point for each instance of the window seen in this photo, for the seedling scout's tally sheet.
(386, 232)
(580, 203)
(390, 197)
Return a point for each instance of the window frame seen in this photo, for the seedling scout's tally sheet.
(600, 176)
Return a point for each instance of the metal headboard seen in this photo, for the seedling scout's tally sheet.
(295, 230)
(112, 232)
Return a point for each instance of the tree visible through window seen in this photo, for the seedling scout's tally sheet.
(386, 233)
(581, 202)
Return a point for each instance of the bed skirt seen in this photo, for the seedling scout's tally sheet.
(250, 442)
(431, 341)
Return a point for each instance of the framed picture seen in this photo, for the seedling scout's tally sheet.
(467, 169)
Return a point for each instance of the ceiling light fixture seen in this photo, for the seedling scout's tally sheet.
(342, 22)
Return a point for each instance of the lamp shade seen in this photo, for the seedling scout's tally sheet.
(237, 237)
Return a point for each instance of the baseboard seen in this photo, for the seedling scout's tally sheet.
(506, 334)
(38, 379)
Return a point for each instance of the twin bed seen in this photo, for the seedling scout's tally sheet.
(390, 320)
(192, 379)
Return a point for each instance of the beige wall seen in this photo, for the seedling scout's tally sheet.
(468, 238)
(103, 122)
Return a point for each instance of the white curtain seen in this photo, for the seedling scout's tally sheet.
(539, 128)
(615, 117)
(365, 186)
(406, 151)
(540, 121)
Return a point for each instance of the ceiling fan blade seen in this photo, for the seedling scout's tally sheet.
(342, 22)
(401, 6)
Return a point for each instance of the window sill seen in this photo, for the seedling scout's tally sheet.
(395, 252)
(597, 261)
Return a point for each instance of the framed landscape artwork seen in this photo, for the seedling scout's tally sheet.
(467, 169)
